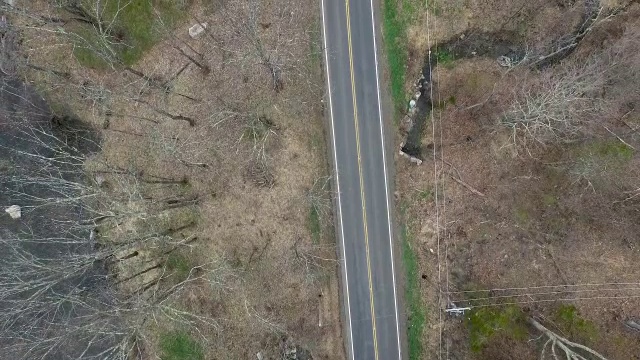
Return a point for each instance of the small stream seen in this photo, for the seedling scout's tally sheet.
(498, 45)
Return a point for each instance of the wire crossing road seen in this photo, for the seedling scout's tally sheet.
(365, 233)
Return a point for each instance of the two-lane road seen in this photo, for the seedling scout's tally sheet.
(372, 324)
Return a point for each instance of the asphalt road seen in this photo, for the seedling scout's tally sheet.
(371, 323)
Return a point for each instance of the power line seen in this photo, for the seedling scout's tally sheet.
(435, 178)
(442, 179)
(546, 287)
(440, 186)
(554, 300)
(549, 293)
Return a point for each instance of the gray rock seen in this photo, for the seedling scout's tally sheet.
(14, 211)
(197, 29)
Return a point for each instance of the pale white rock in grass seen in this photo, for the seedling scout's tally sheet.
(100, 180)
(14, 211)
(10, 2)
(197, 29)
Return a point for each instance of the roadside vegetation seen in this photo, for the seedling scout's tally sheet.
(415, 308)
(395, 16)
(174, 204)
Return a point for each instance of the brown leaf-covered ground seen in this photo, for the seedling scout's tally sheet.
(498, 219)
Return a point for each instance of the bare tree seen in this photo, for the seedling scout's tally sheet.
(557, 105)
(316, 260)
(272, 39)
(8, 48)
(86, 279)
(62, 305)
(103, 37)
(565, 103)
(557, 347)
(182, 150)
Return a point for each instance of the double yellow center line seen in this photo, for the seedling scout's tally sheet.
(364, 203)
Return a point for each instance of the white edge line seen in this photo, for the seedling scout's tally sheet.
(386, 185)
(335, 153)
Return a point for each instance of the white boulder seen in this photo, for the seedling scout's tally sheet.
(197, 29)
(14, 211)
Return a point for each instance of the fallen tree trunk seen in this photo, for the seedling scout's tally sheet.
(561, 346)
